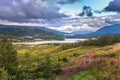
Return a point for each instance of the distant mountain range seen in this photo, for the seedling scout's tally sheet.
(35, 32)
(108, 30)
(46, 33)
(81, 32)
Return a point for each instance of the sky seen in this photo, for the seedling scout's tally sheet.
(73, 9)
(62, 15)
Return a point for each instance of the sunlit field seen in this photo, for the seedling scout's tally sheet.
(32, 53)
(83, 62)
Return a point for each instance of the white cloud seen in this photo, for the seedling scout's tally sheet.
(78, 24)
(69, 28)
(65, 25)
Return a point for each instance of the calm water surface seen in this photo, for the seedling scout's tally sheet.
(67, 40)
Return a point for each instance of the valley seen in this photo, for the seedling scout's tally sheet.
(75, 62)
(59, 39)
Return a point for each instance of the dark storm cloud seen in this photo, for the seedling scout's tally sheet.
(113, 6)
(87, 10)
(67, 1)
(20, 10)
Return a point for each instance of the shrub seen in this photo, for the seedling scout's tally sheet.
(75, 54)
(65, 59)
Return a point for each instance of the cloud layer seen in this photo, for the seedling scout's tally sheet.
(67, 1)
(78, 24)
(46, 13)
(18, 10)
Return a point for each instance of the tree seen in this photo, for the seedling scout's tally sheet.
(4, 74)
(44, 69)
(8, 56)
(47, 67)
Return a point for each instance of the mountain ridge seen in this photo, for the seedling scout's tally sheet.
(108, 30)
(35, 32)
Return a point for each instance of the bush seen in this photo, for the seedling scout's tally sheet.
(65, 59)
(4, 74)
(75, 54)
(111, 55)
(47, 69)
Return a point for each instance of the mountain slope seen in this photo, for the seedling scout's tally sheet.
(51, 30)
(20, 31)
(81, 32)
(108, 30)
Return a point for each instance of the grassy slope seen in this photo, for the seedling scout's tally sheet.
(33, 53)
(84, 63)
(96, 64)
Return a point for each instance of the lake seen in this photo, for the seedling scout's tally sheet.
(67, 40)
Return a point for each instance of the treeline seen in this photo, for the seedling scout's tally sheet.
(31, 39)
(99, 41)
(10, 66)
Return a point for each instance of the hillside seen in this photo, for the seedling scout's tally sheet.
(81, 32)
(51, 30)
(96, 64)
(35, 32)
(80, 63)
(68, 61)
(108, 30)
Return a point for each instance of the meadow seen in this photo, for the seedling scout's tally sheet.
(81, 63)
(69, 61)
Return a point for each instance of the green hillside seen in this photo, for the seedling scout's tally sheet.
(21, 31)
(80, 63)
(68, 61)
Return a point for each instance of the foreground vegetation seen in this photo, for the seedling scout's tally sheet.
(85, 60)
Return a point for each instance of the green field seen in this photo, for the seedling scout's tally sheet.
(86, 60)
(102, 60)
(33, 53)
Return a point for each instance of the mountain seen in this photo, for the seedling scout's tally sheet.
(51, 30)
(80, 32)
(108, 30)
(35, 32)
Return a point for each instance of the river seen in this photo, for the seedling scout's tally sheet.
(67, 40)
